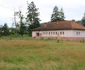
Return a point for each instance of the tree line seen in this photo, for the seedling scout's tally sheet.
(32, 21)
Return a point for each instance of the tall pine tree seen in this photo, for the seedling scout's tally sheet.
(32, 17)
(55, 15)
(83, 20)
(61, 14)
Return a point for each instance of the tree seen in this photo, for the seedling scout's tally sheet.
(83, 20)
(61, 14)
(22, 25)
(32, 16)
(5, 30)
(1, 30)
(55, 15)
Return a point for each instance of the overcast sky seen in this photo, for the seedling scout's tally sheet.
(73, 9)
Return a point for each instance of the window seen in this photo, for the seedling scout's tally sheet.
(37, 34)
(61, 33)
(56, 33)
(77, 33)
(49, 33)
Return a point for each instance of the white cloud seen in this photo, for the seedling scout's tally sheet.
(5, 12)
(73, 9)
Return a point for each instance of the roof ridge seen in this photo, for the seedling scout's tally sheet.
(61, 25)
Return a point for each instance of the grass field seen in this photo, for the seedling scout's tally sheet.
(41, 55)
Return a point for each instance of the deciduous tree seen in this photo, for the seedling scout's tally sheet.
(22, 27)
(5, 30)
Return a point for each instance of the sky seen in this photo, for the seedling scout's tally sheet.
(73, 9)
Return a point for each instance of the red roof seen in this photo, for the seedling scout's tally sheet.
(60, 25)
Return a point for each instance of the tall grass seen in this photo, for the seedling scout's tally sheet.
(41, 55)
(15, 37)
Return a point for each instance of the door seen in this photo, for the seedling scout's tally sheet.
(37, 34)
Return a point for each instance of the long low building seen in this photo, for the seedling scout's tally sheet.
(66, 30)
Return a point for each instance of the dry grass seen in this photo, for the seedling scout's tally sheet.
(41, 55)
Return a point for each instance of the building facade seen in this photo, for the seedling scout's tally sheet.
(65, 30)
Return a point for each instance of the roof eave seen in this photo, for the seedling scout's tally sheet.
(57, 29)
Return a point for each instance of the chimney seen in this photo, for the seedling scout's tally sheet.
(73, 20)
(45, 24)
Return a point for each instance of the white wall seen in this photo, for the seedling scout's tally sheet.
(67, 33)
(34, 33)
(82, 33)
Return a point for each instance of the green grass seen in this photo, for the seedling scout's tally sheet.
(41, 55)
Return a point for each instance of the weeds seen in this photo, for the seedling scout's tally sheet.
(41, 55)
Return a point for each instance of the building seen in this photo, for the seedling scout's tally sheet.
(66, 30)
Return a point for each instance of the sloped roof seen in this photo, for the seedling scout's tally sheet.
(60, 25)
